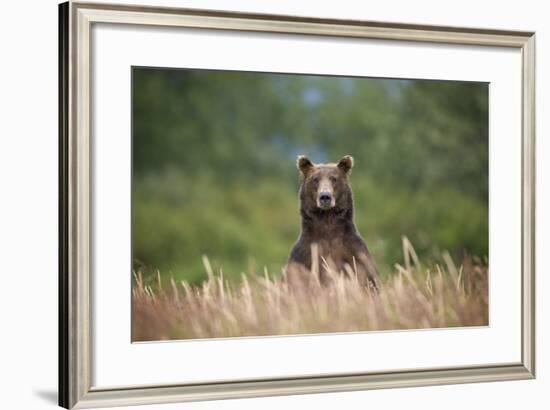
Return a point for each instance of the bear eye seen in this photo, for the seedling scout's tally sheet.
(315, 180)
(332, 178)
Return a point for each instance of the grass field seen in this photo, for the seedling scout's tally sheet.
(416, 296)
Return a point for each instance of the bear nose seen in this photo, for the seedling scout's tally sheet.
(325, 197)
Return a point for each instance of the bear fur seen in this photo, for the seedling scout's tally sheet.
(328, 231)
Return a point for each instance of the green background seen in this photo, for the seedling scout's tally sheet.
(214, 169)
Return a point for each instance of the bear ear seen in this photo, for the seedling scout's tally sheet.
(345, 164)
(304, 164)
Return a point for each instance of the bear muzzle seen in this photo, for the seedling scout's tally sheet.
(326, 200)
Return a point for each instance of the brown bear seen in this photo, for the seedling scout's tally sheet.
(328, 230)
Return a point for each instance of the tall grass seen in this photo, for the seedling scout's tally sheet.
(416, 296)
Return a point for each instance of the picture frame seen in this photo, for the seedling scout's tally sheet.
(75, 214)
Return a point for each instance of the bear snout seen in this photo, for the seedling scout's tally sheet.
(325, 200)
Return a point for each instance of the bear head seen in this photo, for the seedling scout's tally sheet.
(325, 187)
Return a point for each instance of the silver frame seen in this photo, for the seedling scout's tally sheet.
(75, 353)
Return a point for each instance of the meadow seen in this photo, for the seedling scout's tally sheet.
(416, 296)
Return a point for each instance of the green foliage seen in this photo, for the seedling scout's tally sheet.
(214, 165)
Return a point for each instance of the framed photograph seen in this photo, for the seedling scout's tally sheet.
(255, 205)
